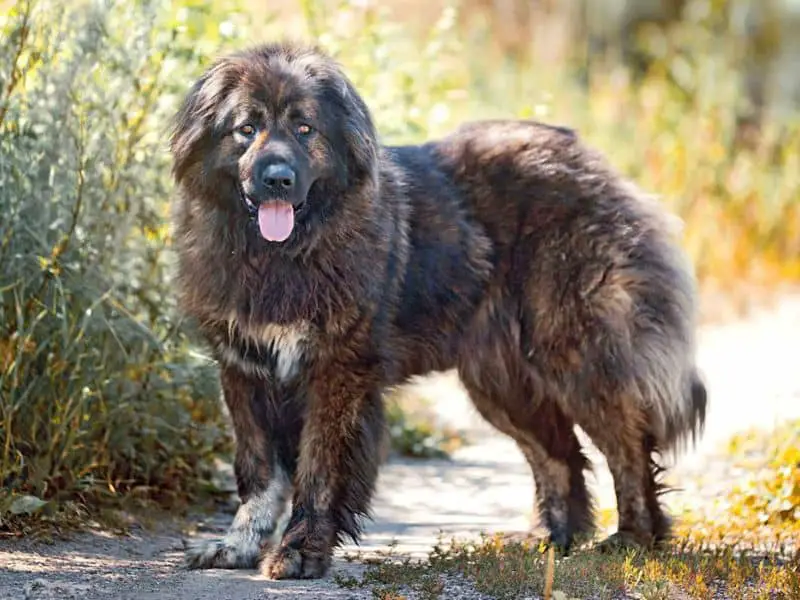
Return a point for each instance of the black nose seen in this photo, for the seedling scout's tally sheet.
(278, 176)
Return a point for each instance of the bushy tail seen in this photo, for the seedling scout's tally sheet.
(699, 400)
(688, 423)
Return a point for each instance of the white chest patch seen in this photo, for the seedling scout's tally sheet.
(285, 343)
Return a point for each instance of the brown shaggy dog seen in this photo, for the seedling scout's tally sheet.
(323, 267)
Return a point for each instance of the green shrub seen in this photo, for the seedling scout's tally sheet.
(100, 393)
(415, 87)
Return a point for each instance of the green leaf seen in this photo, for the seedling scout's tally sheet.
(26, 505)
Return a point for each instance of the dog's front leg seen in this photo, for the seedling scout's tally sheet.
(267, 427)
(337, 468)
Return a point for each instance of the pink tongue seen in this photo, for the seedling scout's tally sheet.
(276, 220)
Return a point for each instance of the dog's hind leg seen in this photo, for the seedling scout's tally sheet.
(559, 464)
(619, 431)
(267, 433)
(548, 442)
(498, 380)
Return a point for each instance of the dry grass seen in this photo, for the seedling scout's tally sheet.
(504, 569)
(744, 547)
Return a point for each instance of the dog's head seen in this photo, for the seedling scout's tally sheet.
(274, 136)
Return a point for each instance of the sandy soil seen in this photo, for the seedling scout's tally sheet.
(752, 370)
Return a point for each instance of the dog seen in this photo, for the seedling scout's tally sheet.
(323, 267)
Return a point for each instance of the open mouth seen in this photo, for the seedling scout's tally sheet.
(275, 218)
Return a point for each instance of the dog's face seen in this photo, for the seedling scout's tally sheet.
(274, 136)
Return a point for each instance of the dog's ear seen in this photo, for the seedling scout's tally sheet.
(359, 133)
(196, 120)
(352, 115)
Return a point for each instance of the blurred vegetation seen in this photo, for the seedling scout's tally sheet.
(413, 429)
(101, 394)
(769, 497)
(678, 125)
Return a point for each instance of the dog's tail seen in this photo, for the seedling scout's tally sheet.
(671, 389)
(688, 421)
(664, 340)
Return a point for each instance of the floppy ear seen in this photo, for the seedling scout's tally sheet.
(194, 122)
(359, 132)
(357, 129)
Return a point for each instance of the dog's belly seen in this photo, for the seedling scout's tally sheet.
(267, 351)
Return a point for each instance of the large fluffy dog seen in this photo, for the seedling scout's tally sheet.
(323, 267)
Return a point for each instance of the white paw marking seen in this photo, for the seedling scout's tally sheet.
(256, 522)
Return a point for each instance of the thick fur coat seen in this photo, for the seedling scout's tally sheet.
(323, 267)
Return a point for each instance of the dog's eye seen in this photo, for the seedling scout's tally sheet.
(247, 130)
(304, 129)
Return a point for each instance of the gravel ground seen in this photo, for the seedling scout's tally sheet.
(751, 369)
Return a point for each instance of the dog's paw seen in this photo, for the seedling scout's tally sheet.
(289, 563)
(219, 554)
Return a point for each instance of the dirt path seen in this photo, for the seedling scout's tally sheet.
(752, 370)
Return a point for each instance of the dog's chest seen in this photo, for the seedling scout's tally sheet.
(268, 351)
